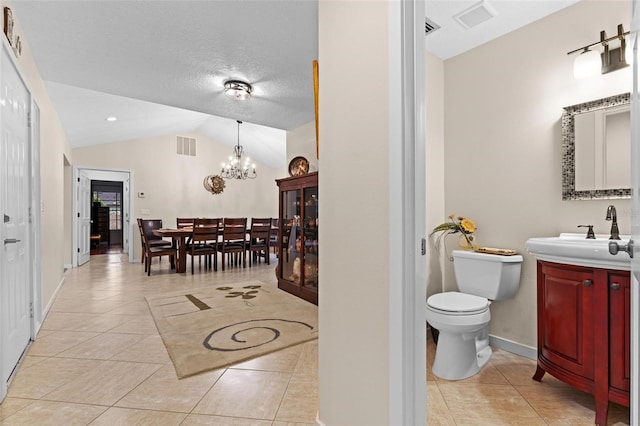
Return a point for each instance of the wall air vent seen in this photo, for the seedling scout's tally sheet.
(475, 15)
(430, 26)
(185, 146)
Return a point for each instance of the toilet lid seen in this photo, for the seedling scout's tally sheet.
(454, 301)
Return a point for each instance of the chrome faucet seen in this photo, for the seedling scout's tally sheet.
(613, 217)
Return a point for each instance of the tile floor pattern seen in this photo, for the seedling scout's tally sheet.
(503, 393)
(99, 360)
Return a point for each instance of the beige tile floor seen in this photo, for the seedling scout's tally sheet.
(99, 360)
(503, 393)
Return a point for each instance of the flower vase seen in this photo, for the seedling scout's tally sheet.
(468, 243)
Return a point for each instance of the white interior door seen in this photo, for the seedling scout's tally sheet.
(83, 207)
(82, 200)
(15, 293)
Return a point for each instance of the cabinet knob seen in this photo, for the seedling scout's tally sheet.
(615, 286)
(587, 283)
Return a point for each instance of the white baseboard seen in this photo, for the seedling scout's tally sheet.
(318, 422)
(67, 266)
(46, 309)
(513, 347)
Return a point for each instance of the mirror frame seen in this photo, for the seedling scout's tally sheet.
(568, 151)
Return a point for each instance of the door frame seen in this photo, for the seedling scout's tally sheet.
(35, 211)
(407, 214)
(635, 218)
(34, 230)
(116, 175)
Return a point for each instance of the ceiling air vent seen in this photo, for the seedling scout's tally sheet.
(185, 146)
(475, 15)
(430, 26)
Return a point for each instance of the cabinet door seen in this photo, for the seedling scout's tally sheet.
(619, 331)
(566, 318)
(310, 270)
(291, 237)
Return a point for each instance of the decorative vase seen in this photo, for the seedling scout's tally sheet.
(467, 243)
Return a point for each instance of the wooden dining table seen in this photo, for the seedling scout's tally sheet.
(179, 237)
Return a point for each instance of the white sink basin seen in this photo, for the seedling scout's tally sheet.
(575, 249)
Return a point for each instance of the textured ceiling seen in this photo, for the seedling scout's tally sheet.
(159, 65)
(175, 54)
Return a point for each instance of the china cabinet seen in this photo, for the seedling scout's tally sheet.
(298, 246)
(583, 331)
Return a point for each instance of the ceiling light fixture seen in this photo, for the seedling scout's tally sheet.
(238, 89)
(591, 62)
(110, 119)
(236, 168)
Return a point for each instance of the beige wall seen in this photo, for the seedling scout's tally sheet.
(172, 184)
(503, 103)
(354, 210)
(53, 149)
(302, 141)
(434, 163)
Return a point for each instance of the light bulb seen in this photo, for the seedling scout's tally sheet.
(628, 52)
(587, 64)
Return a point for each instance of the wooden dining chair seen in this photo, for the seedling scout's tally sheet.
(152, 251)
(204, 242)
(234, 234)
(154, 240)
(183, 222)
(275, 233)
(258, 243)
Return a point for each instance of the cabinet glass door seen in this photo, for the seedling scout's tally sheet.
(299, 244)
(310, 272)
(290, 257)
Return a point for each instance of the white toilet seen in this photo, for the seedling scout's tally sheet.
(463, 317)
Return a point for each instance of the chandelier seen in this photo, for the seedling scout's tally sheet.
(236, 168)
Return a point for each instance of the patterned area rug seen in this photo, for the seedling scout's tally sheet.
(212, 327)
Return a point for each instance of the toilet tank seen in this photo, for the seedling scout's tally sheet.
(488, 275)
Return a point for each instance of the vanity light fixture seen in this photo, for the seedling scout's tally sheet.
(238, 89)
(591, 62)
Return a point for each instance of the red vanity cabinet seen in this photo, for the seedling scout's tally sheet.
(583, 330)
(619, 337)
(566, 320)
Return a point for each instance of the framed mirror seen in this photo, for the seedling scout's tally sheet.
(595, 149)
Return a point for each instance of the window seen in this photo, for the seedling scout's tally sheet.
(113, 200)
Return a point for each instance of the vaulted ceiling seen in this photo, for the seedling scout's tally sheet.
(159, 66)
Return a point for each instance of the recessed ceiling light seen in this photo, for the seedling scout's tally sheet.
(111, 118)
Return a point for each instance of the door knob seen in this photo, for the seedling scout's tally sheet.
(615, 247)
(615, 286)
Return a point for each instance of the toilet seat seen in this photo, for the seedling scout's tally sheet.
(456, 303)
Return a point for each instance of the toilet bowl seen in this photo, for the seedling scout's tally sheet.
(462, 317)
(463, 344)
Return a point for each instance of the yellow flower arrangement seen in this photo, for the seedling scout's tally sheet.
(456, 224)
